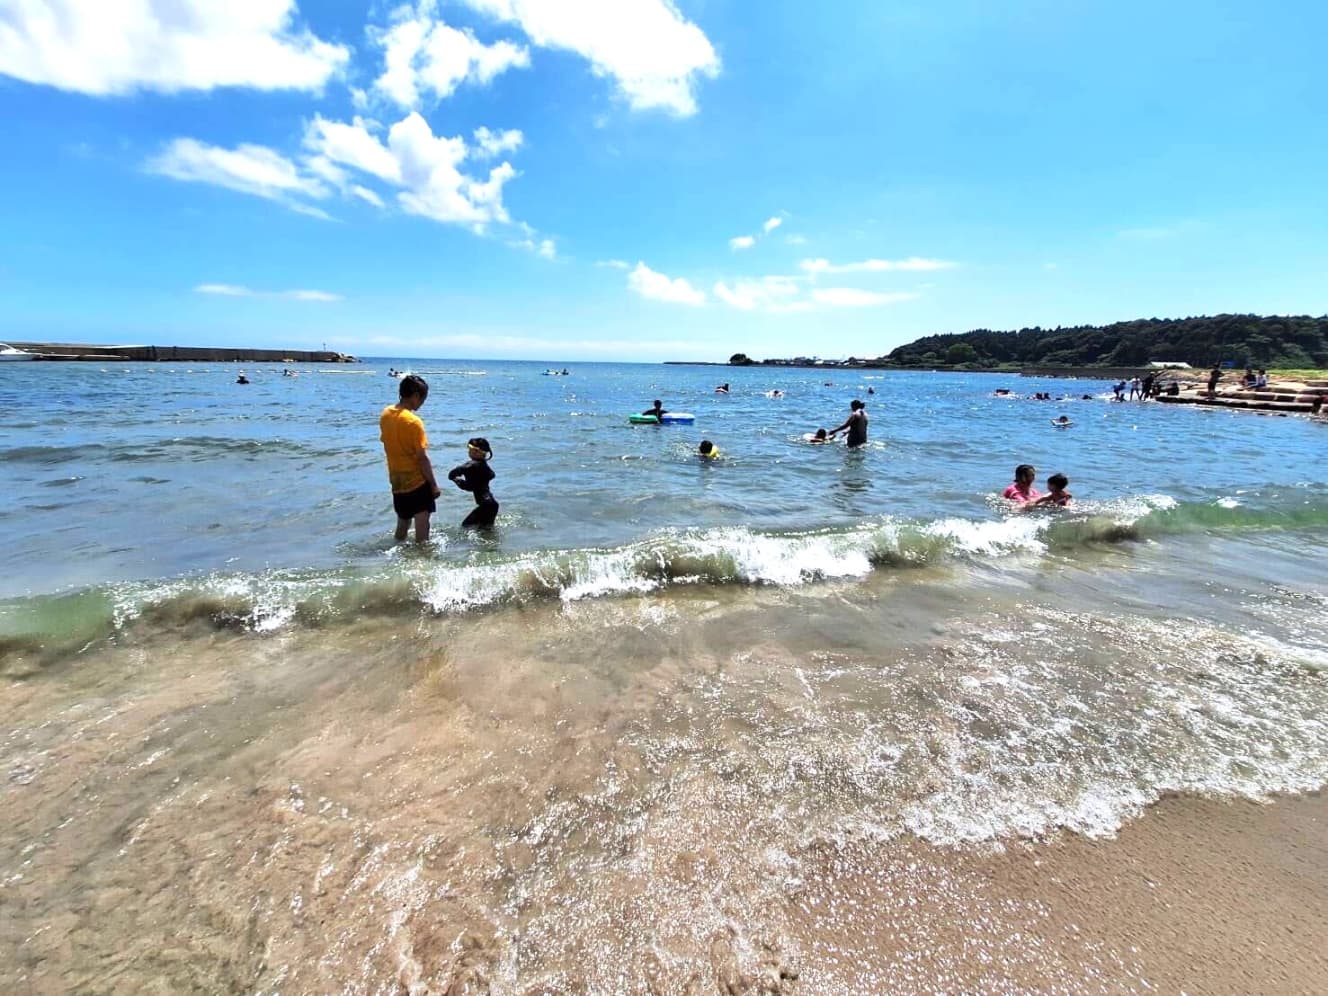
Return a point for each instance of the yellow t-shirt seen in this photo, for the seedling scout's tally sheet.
(402, 433)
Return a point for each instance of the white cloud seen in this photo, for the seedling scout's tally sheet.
(367, 195)
(352, 145)
(250, 169)
(771, 224)
(223, 290)
(236, 290)
(652, 53)
(796, 240)
(427, 168)
(544, 248)
(913, 264)
(424, 54)
(615, 264)
(851, 297)
(109, 47)
(772, 294)
(742, 242)
(658, 287)
(494, 143)
(309, 295)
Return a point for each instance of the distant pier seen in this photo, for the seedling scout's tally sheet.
(166, 354)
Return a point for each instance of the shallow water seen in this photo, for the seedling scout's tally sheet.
(532, 763)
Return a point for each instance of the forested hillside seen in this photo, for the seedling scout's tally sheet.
(1243, 340)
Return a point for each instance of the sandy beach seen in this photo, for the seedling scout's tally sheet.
(1196, 896)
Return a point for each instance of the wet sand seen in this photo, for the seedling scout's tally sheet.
(718, 791)
(1195, 896)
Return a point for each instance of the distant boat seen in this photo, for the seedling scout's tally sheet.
(8, 354)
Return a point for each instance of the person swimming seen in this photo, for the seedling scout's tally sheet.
(1022, 490)
(820, 436)
(659, 411)
(1056, 496)
(708, 450)
(723, 388)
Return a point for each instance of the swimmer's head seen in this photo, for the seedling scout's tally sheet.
(479, 448)
(820, 434)
(410, 386)
(856, 405)
(707, 449)
(1058, 482)
(1025, 473)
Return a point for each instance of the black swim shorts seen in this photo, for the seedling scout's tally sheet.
(411, 503)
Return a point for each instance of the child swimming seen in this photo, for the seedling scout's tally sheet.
(1056, 495)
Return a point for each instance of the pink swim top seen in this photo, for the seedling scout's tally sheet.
(1014, 493)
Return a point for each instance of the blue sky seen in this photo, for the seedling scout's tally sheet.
(645, 179)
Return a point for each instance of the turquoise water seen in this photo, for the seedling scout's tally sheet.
(252, 745)
(143, 472)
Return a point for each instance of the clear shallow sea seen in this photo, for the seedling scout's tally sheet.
(574, 752)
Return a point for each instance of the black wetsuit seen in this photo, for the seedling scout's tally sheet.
(857, 428)
(474, 476)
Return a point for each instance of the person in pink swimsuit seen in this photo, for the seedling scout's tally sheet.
(1022, 490)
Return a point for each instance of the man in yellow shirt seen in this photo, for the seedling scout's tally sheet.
(408, 468)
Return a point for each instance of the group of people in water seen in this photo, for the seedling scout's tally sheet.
(415, 489)
(1023, 493)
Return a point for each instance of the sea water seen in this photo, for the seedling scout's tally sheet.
(251, 744)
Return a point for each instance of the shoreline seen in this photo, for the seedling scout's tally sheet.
(1193, 895)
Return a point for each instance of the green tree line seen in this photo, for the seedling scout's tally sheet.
(1242, 340)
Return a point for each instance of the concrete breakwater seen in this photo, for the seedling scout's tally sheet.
(193, 354)
(1284, 398)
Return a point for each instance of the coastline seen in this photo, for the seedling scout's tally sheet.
(1194, 895)
(102, 353)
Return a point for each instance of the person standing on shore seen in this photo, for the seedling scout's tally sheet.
(1214, 376)
(856, 424)
(406, 446)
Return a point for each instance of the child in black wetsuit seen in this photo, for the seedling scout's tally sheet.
(474, 476)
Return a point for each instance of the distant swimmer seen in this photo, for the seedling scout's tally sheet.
(819, 436)
(406, 446)
(776, 393)
(1022, 490)
(242, 379)
(856, 424)
(722, 389)
(871, 390)
(474, 476)
(1062, 422)
(708, 450)
(1056, 495)
(658, 410)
